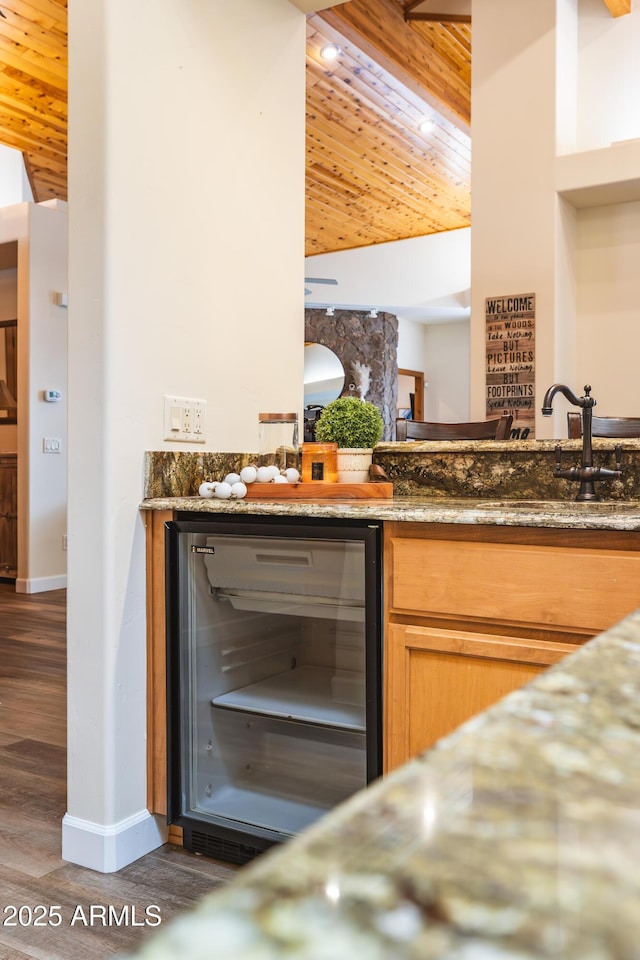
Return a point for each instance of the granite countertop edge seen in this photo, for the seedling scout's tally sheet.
(515, 838)
(603, 515)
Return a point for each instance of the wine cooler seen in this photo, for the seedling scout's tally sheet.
(274, 667)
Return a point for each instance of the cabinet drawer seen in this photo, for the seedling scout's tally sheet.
(532, 584)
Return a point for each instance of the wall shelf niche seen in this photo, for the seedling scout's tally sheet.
(595, 178)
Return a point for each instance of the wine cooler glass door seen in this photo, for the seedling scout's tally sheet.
(274, 673)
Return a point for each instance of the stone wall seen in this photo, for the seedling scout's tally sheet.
(354, 335)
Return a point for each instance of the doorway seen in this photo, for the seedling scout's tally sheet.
(411, 393)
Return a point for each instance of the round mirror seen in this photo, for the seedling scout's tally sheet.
(323, 375)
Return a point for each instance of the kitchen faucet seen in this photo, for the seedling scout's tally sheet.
(586, 473)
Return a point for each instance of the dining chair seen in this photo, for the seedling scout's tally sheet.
(614, 427)
(498, 429)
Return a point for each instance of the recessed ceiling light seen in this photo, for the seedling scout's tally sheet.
(330, 51)
(426, 125)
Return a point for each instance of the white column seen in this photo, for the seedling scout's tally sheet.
(186, 203)
(523, 99)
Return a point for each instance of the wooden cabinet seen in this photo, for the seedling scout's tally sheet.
(8, 515)
(472, 613)
(156, 662)
(157, 668)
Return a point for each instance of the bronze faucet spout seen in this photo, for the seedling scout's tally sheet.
(586, 473)
(585, 402)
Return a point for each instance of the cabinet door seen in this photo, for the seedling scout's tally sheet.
(438, 678)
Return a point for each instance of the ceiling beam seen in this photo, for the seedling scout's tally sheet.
(432, 10)
(618, 8)
(438, 17)
(313, 6)
(379, 30)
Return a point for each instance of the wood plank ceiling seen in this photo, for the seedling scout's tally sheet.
(372, 174)
(33, 90)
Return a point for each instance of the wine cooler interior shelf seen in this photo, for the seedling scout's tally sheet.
(310, 694)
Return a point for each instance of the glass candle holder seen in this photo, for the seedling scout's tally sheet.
(320, 462)
(278, 439)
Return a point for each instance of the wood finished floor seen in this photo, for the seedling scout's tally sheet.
(33, 802)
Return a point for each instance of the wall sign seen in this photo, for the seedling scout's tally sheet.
(511, 327)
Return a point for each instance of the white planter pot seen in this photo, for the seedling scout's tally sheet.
(353, 464)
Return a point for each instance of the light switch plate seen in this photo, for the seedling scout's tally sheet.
(184, 419)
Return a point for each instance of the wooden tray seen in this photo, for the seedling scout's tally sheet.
(319, 491)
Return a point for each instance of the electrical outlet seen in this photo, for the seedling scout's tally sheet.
(64, 541)
(184, 419)
(198, 420)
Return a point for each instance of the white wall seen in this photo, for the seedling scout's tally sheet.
(186, 186)
(41, 234)
(441, 351)
(608, 237)
(424, 281)
(608, 282)
(14, 183)
(447, 372)
(608, 76)
(43, 353)
(571, 64)
(411, 356)
(420, 279)
(411, 353)
(515, 213)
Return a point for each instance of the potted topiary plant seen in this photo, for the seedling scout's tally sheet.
(356, 426)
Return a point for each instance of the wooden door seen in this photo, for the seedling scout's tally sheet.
(8, 516)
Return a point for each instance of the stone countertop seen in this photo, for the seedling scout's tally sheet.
(559, 514)
(516, 837)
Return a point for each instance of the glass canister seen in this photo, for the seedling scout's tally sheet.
(278, 439)
(320, 462)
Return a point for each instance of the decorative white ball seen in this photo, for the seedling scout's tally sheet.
(280, 479)
(238, 490)
(232, 478)
(222, 491)
(248, 474)
(274, 471)
(264, 475)
(292, 475)
(206, 490)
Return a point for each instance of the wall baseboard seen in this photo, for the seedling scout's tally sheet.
(110, 848)
(41, 584)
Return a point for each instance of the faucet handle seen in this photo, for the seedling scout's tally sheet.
(558, 453)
